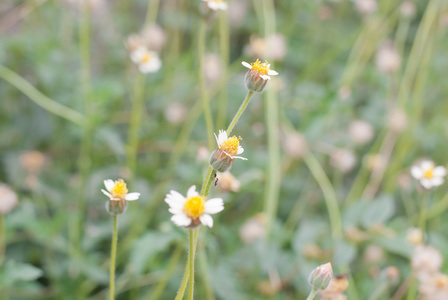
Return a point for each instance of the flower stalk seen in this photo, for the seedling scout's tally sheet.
(312, 294)
(113, 255)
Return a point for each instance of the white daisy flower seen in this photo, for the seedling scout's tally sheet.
(216, 4)
(117, 191)
(428, 174)
(262, 69)
(194, 209)
(229, 145)
(147, 61)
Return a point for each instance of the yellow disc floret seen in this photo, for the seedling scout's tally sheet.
(428, 174)
(194, 207)
(262, 68)
(146, 57)
(119, 190)
(230, 146)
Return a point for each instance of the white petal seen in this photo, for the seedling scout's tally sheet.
(265, 77)
(175, 200)
(426, 183)
(176, 211)
(137, 54)
(439, 171)
(106, 193)
(436, 181)
(426, 165)
(272, 72)
(109, 184)
(151, 66)
(223, 5)
(213, 206)
(240, 150)
(217, 141)
(192, 192)
(132, 196)
(243, 158)
(213, 5)
(222, 137)
(206, 220)
(181, 219)
(416, 172)
(247, 65)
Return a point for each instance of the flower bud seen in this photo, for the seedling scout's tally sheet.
(114, 207)
(321, 276)
(220, 161)
(228, 148)
(258, 75)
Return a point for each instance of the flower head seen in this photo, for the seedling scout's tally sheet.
(193, 210)
(428, 174)
(215, 4)
(228, 150)
(117, 192)
(8, 199)
(147, 61)
(258, 75)
(321, 276)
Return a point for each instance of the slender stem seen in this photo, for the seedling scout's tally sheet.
(312, 294)
(2, 238)
(113, 254)
(224, 53)
(136, 117)
(151, 13)
(412, 288)
(239, 112)
(329, 195)
(204, 96)
(423, 213)
(193, 233)
(184, 282)
(40, 99)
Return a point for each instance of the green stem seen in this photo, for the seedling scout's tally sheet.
(312, 294)
(2, 238)
(113, 254)
(224, 53)
(40, 99)
(135, 120)
(193, 239)
(239, 112)
(184, 282)
(202, 84)
(412, 289)
(423, 213)
(329, 195)
(151, 13)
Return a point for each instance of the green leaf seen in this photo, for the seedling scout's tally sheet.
(378, 211)
(13, 271)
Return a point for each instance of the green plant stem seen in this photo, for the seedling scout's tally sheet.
(412, 288)
(135, 121)
(423, 213)
(2, 239)
(184, 282)
(40, 99)
(224, 53)
(329, 195)
(239, 112)
(312, 294)
(151, 13)
(379, 291)
(113, 254)
(191, 259)
(202, 84)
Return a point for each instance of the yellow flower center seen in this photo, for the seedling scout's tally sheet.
(119, 190)
(216, 0)
(230, 146)
(146, 57)
(194, 207)
(428, 174)
(442, 281)
(262, 68)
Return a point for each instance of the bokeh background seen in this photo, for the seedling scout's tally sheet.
(360, 97)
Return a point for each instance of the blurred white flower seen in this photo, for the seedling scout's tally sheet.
(366, 7)
(434, 287)
(212, 67)
(194, 209)
(426, 260)
(175, 113)
(216, 4)
(253, 229)
(387, 58)
(203, 154)
(147, 61)
(360, 131)
(343, 159)
(295, 145)
(414, 236)
(344, 92)
(373, 254)
(272, 47)
(227, 182)
(8, 199)
(32, 161)
(237, 12)
(407, 9)
(428, 174)
(154, 37)
(398, 120)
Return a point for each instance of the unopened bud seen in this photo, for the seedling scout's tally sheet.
(321, 276)
(220, 161)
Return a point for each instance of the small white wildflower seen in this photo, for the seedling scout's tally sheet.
(216, 4)
(428, 174)
(8, 199)
(147, 61)
(193, 210)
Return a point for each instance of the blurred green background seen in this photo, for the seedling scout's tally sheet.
(360, 96)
